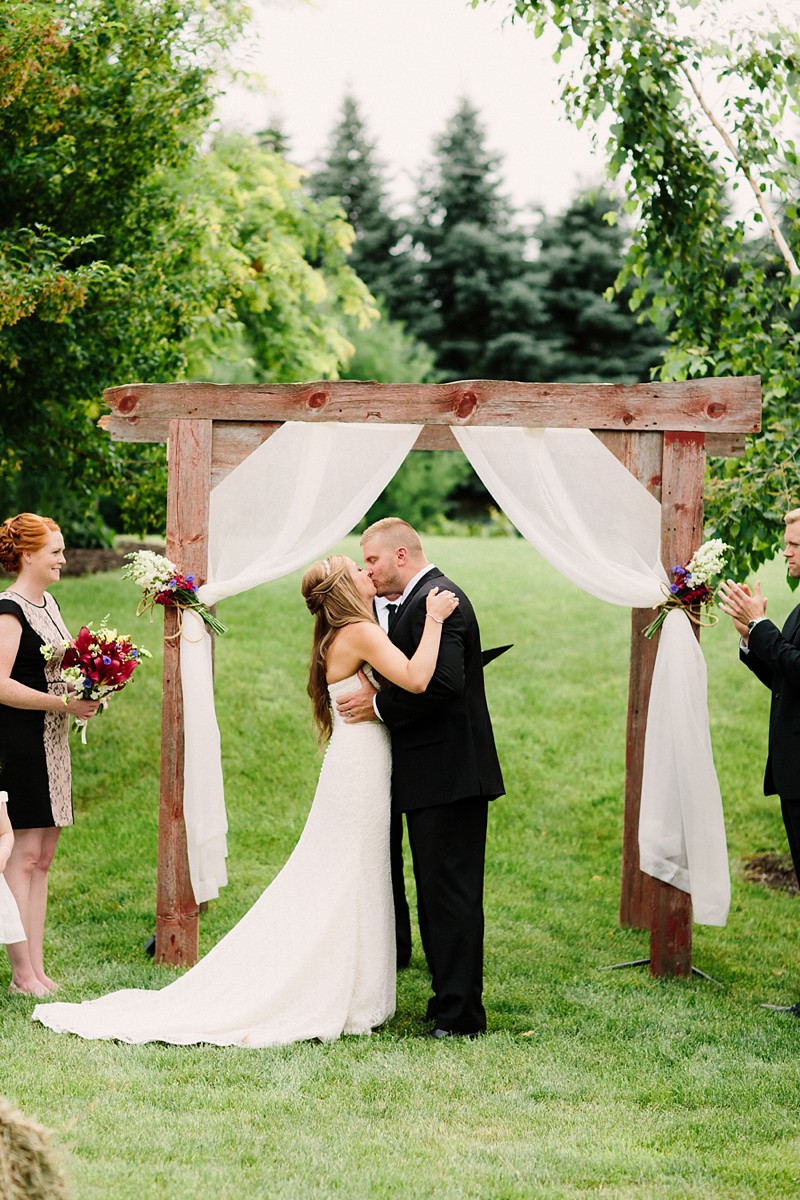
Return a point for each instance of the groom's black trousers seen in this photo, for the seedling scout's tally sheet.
(790, 810)
(448, 847)
(402, 917)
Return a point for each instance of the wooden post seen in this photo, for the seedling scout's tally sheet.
(683, 469)
(642, 456)
(187, 546)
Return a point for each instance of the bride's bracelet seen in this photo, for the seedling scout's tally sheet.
(433, 618)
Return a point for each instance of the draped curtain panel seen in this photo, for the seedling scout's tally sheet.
(596, 524)
(285, 505)
(306, 488)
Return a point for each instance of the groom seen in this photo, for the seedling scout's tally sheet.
(444, 772)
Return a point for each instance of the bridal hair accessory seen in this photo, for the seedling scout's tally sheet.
(690, 588)
(327, 566)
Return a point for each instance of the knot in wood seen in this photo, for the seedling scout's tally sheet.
(627, 418)
(127, 403)
(464, 405)
(317, 399)
(715, 410)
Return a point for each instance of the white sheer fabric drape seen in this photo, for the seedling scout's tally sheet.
(597, 525)
(285, 505)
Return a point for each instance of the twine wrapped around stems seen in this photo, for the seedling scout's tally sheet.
(180, 601)
(688, 607)
(163, 584)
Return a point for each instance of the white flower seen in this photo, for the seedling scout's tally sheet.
(707, 561)
(150, 571)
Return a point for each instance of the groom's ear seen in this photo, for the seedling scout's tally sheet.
(401, 556)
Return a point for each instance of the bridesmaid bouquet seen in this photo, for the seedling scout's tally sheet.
(162, 583)
(690, 586)
(96, 663)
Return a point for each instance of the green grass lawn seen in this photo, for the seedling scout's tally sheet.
(590, 1082)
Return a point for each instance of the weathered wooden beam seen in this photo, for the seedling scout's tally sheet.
(725, 445)
(187, 544)
(641, 453)
(704, 405)
(682, 470)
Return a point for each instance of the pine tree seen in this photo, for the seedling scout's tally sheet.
(583, 336)
(461, 281)
(352, 172)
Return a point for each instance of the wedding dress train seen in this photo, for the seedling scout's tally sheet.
(315, 955)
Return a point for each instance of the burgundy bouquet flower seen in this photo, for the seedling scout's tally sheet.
(96, 663)
(690, 585)
(162, 583)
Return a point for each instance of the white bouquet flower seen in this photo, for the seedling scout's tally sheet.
(162, 583)
(690, 587)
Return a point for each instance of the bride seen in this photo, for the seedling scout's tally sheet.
(315, 955)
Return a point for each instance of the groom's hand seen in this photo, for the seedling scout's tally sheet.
(358, 706)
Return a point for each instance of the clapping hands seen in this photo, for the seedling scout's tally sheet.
(741, 605)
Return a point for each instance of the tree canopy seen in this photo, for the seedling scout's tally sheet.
(695, 262)
(125, 240)
(352, 174)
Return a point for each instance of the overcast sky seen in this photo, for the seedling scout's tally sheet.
(408, 62)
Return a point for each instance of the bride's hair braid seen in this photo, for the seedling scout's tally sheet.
(333, 598)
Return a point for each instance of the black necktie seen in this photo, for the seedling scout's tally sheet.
(392, 611)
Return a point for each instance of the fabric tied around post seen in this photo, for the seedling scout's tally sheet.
(286, 504)
(596, 524)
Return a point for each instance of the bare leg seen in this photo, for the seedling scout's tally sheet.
(26, 874)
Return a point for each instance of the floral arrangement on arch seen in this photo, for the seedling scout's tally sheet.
(690, 586)
(162, 583)
(96, 663)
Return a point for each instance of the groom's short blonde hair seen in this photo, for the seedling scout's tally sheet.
(395, 532)
(792, 516)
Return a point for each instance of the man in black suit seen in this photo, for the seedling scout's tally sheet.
(444, 772)
(773, 656)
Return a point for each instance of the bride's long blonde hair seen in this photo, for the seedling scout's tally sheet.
(334, 600)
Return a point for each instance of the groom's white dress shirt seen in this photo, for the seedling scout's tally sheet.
(383, 616)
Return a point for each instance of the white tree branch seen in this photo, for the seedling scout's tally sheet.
(769, 216)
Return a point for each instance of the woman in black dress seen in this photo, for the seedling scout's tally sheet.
(35, 708)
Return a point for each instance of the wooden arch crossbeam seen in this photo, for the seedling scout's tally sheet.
(659, 431)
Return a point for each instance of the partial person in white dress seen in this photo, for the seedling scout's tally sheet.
(11, 928)
(315, 956)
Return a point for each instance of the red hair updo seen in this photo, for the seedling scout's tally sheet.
(25, 532)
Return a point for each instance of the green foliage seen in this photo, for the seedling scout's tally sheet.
(590, 1082)
(425, 491)
(386, 353)
(352, 174)
(461, 279)
(106, 101)
(280, 264)
(586, 335)
(692, 261)
(125, 247)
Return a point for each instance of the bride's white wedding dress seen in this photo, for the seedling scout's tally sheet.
(315, 955)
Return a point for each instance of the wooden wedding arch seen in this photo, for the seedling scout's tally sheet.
(659, 431)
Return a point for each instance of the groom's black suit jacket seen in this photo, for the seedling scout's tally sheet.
(442, 742)
(774, 657)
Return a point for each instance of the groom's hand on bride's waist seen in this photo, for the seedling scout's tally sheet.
(358, 706)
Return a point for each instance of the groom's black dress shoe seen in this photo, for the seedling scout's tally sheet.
(439, 1034)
